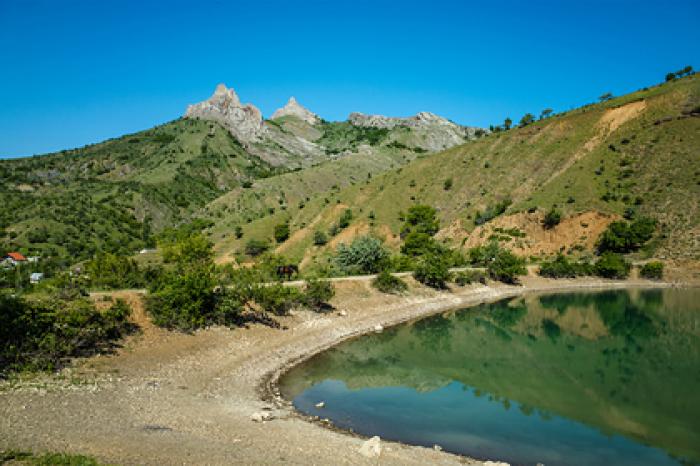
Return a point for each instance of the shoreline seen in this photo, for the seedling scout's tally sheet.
(169, 398)
(269, 386)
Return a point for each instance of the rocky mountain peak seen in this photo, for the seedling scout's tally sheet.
(244, 121)
(293, 108)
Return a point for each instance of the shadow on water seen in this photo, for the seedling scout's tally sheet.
(606, 377)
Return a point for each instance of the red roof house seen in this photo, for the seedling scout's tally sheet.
(13, 258)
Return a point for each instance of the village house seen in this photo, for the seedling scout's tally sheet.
(36, 277)
(12, 259)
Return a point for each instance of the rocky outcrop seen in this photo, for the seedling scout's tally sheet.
(292, 108)
(245, 122)
(438, 132)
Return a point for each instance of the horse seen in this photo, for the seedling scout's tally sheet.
(287, 271)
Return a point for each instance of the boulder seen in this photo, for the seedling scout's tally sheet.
(371, 448)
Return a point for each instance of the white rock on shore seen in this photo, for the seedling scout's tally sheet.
(371, 448)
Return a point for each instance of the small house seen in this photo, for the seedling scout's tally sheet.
(13, 258)
(36, 277)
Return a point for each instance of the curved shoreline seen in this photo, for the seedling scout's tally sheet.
(269, 386)
(170, 398)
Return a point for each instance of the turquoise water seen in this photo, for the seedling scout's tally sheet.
(577, 379)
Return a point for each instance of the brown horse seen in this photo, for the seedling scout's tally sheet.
(287, 271)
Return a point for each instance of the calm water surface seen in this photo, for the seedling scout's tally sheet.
(588, 378)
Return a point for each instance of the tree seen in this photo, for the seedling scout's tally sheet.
(421, 219)
(670, 76)
(624, 237)
(507, 123)
(612, 265)
(433, 270)
(317, 293)
(605, 97)
(255, 247)
(551, 218)
(365, 254)
(527, 119)
(652, 270)
(506, 266)
(281, 232)
(320, 238)
(546, 113)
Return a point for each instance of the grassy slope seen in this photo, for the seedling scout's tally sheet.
(108, 195)
(565, 161)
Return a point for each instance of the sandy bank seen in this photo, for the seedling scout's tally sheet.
(169, 398)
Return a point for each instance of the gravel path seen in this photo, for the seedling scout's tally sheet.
(170, 398)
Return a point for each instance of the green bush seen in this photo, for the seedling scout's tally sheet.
(320, 238)
(281, 232)
(623, 237)
(183, 299)
(551, 219)
(44, 334)
(491, 212)
(561, 267)
(433, 270)
(418, 243)
(652, 270)
(506, 266)
(447, 185)
(366, 254)
(612, 265)
(468, 277)
(387, 283)
(345, 219)
(420, 219)
(277, 298)
(110, 271)
(255, 247)
(317, 293)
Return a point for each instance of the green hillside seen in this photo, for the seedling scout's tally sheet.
(632, 155)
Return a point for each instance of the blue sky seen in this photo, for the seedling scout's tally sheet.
(78, 72)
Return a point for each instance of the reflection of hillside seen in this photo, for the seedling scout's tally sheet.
(633, 369)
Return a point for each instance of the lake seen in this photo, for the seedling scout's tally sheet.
(585, 378)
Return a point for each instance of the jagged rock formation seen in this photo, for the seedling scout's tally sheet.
(292, 108)
(305, 139)
(440, 133)
(243, 121)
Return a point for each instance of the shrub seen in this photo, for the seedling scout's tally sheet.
(183, 299)
(551, 218)
(317, 293)
(238, 232)
(277, 298)
(345, 219)
(255, 247)
(624, 237)
(387, 283)
(109, 271)
(365, 254)
(468, 277)
(433, 270)
(561, 267)
(612, 265)
(281, 232)
(506, 266)
(45, 334)
(447, 185)
(652, 270)
(491, 212)
(320, 238)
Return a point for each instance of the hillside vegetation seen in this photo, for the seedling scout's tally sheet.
(631, 156)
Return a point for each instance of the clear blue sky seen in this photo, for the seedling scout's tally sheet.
(77, 72)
